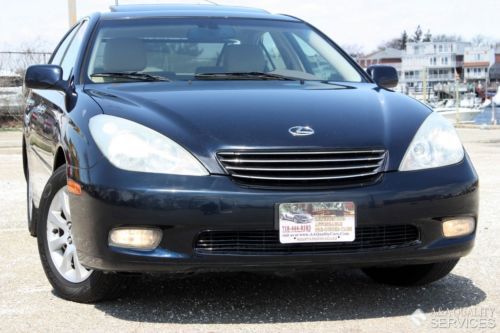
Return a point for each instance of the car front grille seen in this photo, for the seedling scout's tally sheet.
(266, 242)
(325, 168)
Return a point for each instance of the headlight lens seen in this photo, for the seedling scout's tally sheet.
(436, 144)
(134, 147)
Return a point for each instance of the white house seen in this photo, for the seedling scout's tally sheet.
(477, 61)
(436, 62)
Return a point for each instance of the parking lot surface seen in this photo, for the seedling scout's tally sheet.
(468, 300)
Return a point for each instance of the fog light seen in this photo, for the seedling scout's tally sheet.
(135, 238)
(458, 227)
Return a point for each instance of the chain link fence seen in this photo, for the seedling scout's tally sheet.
(12, 68)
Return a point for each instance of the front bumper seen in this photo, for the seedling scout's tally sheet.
(183, 207)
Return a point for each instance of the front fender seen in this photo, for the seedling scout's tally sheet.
(79, 148)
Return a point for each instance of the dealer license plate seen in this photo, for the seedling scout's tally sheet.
(317, 222)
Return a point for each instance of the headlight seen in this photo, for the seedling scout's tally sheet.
(134, 147)
(436, 144)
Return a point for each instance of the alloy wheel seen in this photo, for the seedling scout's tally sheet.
(60, 241)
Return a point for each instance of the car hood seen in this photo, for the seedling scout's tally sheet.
(207, 116)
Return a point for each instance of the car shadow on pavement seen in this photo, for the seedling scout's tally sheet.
(266, 298)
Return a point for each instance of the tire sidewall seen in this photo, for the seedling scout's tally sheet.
(62, 286)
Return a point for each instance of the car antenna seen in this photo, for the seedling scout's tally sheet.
(212, 2)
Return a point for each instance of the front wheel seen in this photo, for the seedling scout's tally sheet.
(411, 275)
(59, 256)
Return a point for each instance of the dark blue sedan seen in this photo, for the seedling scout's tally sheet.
(179, 138)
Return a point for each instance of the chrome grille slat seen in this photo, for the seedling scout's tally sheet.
(304, 168)
(240, 160)
(302, 152)
(305, 178)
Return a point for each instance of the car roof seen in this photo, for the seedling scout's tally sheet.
(195, 10)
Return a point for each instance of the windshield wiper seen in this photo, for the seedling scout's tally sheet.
(244, 76)
(139, 76)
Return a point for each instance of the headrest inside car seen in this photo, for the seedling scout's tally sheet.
(124, 55)
(244, 58)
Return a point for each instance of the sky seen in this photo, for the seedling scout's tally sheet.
(367, 23)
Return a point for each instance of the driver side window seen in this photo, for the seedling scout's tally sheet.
(69, 59)
(67, 52)
(63, 46)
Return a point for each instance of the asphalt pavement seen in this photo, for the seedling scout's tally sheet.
(468, 300)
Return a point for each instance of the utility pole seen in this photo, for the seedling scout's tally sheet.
(424, 84)
(457, 97)
(72, 12)
(487, 83)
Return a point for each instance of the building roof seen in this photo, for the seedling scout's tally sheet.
(476, 63)
(387, 53)
(191, 10)
(437, 42)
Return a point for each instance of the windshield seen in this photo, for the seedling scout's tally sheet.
(212, 48)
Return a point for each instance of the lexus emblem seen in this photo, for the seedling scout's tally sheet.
(301, 131)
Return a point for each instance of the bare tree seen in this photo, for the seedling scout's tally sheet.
(481, 40)
(354, 50)
(395, 43)
(30, 55)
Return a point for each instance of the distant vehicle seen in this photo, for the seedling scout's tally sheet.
(299, 217)
(11, 93)
(169, 138)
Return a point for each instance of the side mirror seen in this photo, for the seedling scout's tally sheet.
(45, 77)
(384, 76)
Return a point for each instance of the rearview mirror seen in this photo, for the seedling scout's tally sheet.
(384, 76)
(44, 77)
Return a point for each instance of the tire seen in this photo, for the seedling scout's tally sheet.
(75, 283)
(411, 275)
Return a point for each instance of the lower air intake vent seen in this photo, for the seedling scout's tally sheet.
(266, 242)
